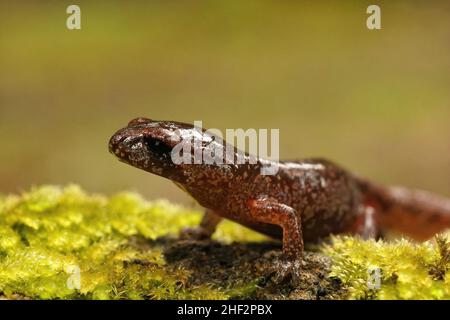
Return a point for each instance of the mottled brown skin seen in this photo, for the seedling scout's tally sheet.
(304, 201)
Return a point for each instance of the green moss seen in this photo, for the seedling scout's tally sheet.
(61, 243)
(406, 270)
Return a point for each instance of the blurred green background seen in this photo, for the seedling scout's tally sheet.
(377, 102)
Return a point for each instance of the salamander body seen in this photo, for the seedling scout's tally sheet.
(303, 200)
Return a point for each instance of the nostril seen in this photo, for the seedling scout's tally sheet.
(138, 121)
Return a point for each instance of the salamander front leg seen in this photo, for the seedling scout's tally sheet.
(206, 228)
(268, 210)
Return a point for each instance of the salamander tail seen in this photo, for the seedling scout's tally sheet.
(415, 213)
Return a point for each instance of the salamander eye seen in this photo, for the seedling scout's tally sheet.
(157, 146)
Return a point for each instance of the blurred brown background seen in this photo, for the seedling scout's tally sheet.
(377, 102)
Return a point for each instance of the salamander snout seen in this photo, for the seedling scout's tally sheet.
(131, 147)
(146, 145)
(127, 140)
(143, 144)
(118, 143)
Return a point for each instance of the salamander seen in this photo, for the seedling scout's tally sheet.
(304, 200)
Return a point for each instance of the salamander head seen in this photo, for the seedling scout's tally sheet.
(147, 144)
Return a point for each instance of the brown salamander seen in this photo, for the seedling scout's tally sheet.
(303, 201)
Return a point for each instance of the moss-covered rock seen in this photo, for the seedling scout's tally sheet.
(392, 270)
(60, 243)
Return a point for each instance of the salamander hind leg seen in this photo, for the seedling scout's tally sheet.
(267, 210)
(206, 228)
